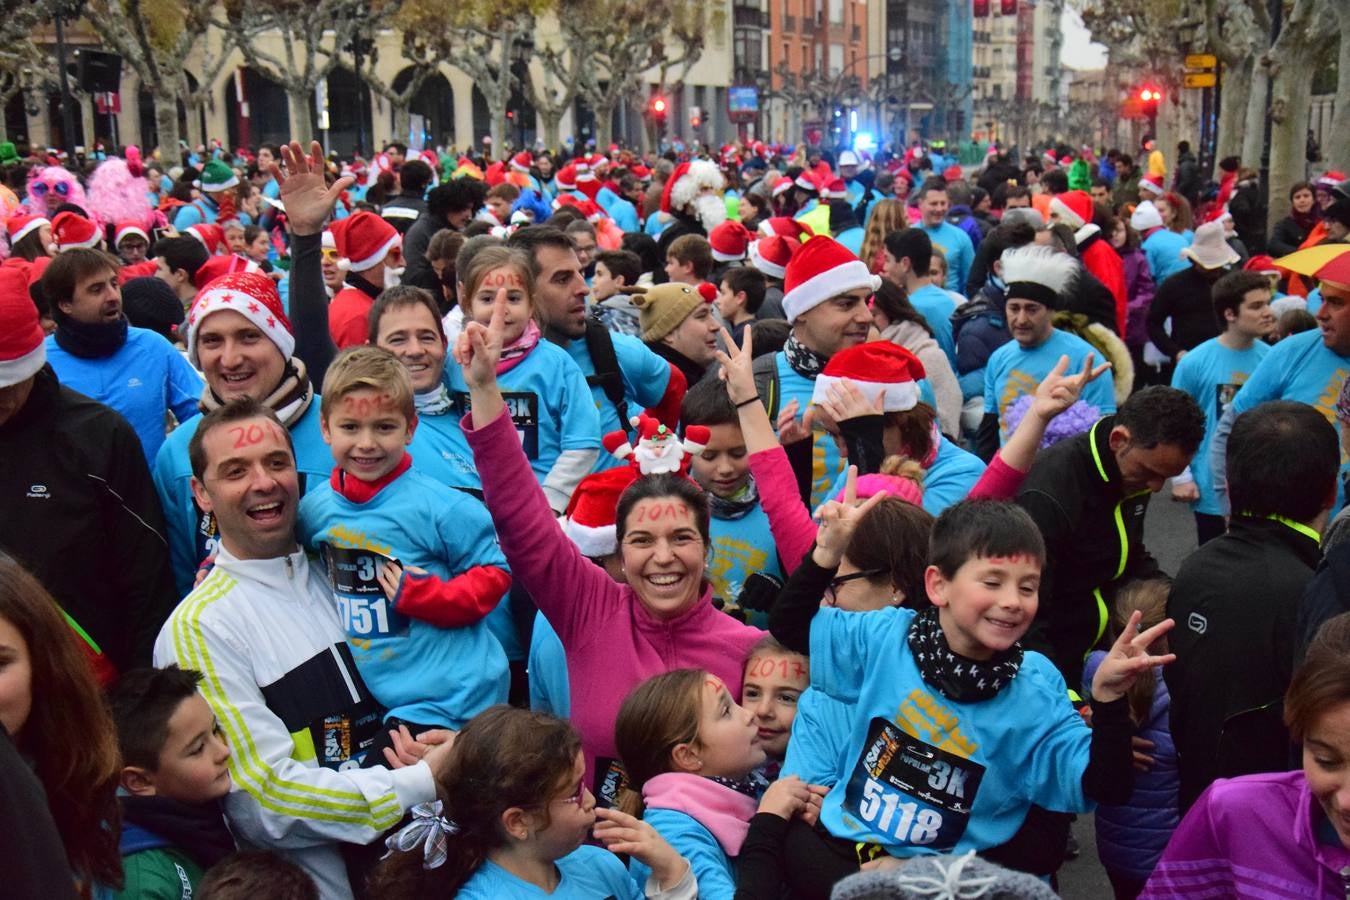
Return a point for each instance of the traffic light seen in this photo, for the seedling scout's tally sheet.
(695, 118)
(659, 108)
(1150, 97)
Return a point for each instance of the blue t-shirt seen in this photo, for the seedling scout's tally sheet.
(937, 307)
(192, 532)
(1304, 369)
(202, 211)
(708, 861)
(1013, 371)
(1162, 249)
(417, 671)
(826, 463)
(550, 688)
(1212, 374)
(141, 379)
(926, 774)
(587, 873)
(852, 238)
(645, 379)
(741, 547)
(956, 247)
(549, 402)
(816, 750)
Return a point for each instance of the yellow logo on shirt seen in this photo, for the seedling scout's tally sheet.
(923, 716)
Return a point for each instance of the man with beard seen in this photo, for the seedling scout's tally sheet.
(826, 293)
(96, 352)
(692, 200)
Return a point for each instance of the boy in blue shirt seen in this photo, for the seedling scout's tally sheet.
(414, 565)
(175, 771)
(1038, 279)
(745, 571)
(1213, 373)
(955, 730)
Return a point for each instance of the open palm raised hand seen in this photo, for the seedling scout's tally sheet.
(308, 198)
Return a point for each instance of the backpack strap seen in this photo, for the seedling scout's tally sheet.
(765, 369)
(600, 345)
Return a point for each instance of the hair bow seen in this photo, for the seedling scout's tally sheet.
(430, 829)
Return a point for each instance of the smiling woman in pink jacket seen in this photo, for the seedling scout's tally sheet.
(615, 635)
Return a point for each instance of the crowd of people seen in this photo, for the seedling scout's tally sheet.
(756, 522)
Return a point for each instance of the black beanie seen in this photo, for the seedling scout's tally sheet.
(151, 303)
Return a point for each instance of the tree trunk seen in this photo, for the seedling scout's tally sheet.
(1336, 146)
(1291, 101)
(604, 124)
(402, 118)
(299, 99)
(1253, 130)
(552, 126)
(166, 123)
(1237, 86)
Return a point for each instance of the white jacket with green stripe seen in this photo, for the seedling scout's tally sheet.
(280, 679)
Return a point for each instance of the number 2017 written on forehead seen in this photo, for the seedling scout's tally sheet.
(763, 666)
(365, 405)
(503, 278)
(248, 435)
(656, 511)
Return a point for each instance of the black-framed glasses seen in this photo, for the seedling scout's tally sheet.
(838, 581)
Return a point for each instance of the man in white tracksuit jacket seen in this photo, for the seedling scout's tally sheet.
(263, 630)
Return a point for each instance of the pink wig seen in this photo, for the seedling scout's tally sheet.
(56, 180)
(118, 192)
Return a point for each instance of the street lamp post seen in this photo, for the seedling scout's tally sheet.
(67, 101)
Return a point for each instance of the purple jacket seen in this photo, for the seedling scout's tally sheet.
(1131, 837)
(1139, 289)
(612, 642)
(1252, 837)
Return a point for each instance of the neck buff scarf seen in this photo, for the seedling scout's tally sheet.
(804, 361)
(89, 341)
(435, 402)
(289, 401)
(738, 504)
(516, 351)
(955, 676)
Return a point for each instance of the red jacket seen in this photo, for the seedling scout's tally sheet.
(1104, 263)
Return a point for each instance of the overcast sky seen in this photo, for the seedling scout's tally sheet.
(1079, 51)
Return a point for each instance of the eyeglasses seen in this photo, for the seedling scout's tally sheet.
(41, 188)
(832, 589)
(579, 796)
(330, 253)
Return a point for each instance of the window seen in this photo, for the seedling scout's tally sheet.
(836, 12)
(836, 58)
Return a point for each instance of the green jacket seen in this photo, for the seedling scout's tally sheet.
(162, 873)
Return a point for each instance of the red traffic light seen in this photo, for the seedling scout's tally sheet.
(659, 105)
(1150, 95)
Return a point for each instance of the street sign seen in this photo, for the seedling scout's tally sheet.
(1199, 80)
(1201, 61)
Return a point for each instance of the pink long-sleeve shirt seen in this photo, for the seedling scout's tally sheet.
(612, 641)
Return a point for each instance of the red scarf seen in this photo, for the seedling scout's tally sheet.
(358, 491)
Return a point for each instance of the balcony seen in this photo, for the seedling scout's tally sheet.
(790, 23)
(856, 34)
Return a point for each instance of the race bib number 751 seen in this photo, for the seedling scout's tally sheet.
(910, 792)
(364, 609)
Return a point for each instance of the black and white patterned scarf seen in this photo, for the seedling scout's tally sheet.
(955, 676)
(738, 504)
(804, 361)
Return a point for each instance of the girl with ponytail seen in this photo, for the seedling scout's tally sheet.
(515, 822)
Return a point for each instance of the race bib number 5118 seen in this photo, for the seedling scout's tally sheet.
(910, 792)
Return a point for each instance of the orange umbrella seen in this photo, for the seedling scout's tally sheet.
(1310, 260)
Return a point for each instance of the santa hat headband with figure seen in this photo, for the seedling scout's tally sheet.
(659, 451)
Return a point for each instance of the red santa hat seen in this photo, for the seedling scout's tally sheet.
(363, 240)
(953, 173)
(225, 264)
(71, 230)
(1049, 158)
(495, 174)
(584, 173)
(658, 450)
(729, 241)
(124, 230)
(1154, 184)
(834, 189)
(770, 255)
(877, 368)
(641, 173)
(785, 226)
(589, 519)
(20, 226)
(687, 181)
(567, 177)
(1073, 208)
(522, 161)
(821, 269)
(1328, 180)
(806, 180)
(251, 294)
(23, 349)
(781, 185)
(211, 235)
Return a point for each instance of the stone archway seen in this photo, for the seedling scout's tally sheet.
(268, 119)
(434, 102)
